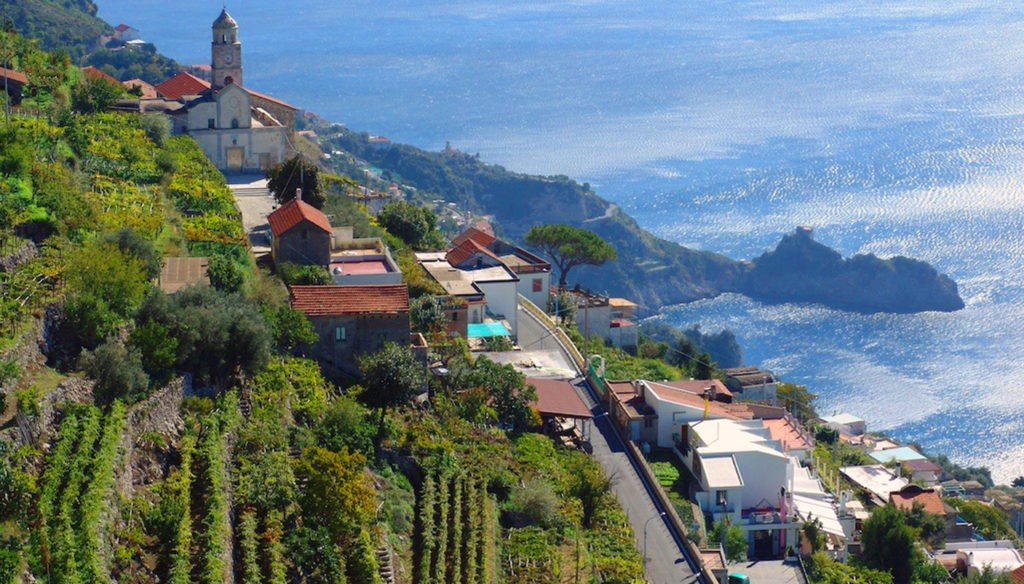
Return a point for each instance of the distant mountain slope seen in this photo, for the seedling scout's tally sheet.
(72, 26)
(650, 270)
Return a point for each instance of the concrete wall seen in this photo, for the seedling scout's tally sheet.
(291, 247)
(363, 334)
(526, 288)
(594, 320)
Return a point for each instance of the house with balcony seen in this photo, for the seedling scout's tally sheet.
(474, 277)
(744, 477)
(534, 273)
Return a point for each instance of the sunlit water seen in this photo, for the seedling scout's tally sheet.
(890, 128)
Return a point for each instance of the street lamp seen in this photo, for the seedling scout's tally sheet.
(649, 519)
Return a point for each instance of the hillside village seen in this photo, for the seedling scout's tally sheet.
(222, 362)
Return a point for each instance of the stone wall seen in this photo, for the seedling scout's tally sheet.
(26, 252)
(152, 428)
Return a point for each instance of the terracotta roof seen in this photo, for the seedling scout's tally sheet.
(1017, 576)
(786, 431)
(689, 399)
(558, 398)
(94, 73)
(271, 99)
(121, 27)
(621, 323)
(697, 386)
(182, 84)
(13, 75)
(922, 465)
(292, 213)
(910, 494)
(148, 91)
(338, 300)
(477, 235)
(465, 250)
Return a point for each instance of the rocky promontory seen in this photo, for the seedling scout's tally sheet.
(800, 269)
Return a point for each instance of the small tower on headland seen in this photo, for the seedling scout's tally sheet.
(226, 52)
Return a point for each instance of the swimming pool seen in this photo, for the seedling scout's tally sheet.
(486, 329)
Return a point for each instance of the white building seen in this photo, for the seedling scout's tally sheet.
(608, 318)
(676, 407)
(489, 288)
(973, 557)
(746, 479)
(533, 272)
(846, 424)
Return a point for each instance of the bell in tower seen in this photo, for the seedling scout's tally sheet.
(226, 52)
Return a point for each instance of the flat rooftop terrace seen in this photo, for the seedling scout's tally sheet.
(360, 267)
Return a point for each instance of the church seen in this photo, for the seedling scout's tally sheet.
(239, 129)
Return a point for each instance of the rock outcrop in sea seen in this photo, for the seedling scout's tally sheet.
(800, 269)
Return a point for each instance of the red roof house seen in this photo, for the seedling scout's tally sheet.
(906, 497)
(471, 252)
(351, 321)
(301, 234)
(347, 300)
(478, 235)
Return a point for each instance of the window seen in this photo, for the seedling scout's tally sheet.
(538, 284)
(234, 123)
(211, 123)
(340, 334)
(721, 498)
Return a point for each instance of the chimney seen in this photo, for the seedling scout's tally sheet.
(298, 193)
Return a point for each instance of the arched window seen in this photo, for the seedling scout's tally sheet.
(229, 80)
(234, 123)
(223, 38)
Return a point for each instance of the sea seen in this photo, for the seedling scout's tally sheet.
(889, 127)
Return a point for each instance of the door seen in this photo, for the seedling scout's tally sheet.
(264, 162)
(234, 159)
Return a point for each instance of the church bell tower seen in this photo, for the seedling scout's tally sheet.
(226, 51)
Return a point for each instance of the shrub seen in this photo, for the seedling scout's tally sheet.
(135, 246)
(225, 275)
(361, 561)
(117, 371)
(299, 275)
(732, 538)
(536, 503)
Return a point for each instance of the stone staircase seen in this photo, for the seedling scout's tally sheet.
(250, 191)
(385, 565)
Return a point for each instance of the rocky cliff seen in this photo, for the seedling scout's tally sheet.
(800, 269)
(651, 271)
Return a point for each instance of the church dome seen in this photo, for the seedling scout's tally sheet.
(225, 20)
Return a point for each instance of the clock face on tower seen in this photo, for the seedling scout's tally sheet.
(228, 59)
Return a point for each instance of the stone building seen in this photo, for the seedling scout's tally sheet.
(351, 321)
(300, 234)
